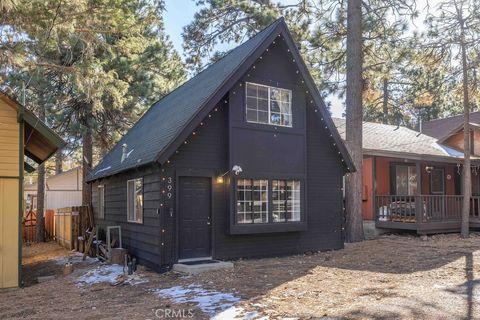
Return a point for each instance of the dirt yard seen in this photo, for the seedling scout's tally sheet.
(391, 277)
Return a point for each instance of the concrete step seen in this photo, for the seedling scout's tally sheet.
(201, 266)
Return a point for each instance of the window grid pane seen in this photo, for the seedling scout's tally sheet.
(286, 200)
(268, 105)
(252, 201)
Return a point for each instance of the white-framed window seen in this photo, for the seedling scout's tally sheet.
(285, 200)
(101, 201)
(135, 200)
(252, 201)
(268, 105)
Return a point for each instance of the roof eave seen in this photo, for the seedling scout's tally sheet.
(413, 156)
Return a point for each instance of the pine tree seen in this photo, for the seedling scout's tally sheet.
(453, 35)
(101, 62)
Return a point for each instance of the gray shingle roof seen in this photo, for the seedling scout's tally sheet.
(382, 139)
(439, 128)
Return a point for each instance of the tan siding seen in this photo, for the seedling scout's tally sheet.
(8, 233)
(9, 141)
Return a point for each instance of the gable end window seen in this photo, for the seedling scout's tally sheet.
(101, 201)
(268, 105)
(135, 200)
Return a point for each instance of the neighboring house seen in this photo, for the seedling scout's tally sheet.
(22, 135)
(242, 160)
(406, 172)
(61, 190)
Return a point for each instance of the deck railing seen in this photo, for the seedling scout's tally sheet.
(431, 208)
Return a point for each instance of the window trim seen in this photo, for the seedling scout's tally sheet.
(269, 109)
(128, 202)
(269, 227)
(101, 204)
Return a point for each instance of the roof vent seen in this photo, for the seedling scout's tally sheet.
(124, 152)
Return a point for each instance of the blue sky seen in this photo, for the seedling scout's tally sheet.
(179, 13)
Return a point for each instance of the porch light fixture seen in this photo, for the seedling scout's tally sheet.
(428, 169)
(236, 169)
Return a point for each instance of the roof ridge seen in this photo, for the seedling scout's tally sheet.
(450, 117)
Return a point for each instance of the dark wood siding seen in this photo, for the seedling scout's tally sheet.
(223, 139)
(142, 240)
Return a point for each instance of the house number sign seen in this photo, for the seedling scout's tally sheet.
(169, 187)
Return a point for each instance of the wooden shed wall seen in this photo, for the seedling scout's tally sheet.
(9, 193)
(9, 141)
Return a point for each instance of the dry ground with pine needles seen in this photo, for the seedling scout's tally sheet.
(391, 277)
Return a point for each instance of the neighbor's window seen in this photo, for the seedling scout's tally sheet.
(135, 200)
(268, 105)
(101, 201)
(286, 200)
(252, 201)
(437, 181)
(405, 180)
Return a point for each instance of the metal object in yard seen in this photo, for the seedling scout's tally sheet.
(109, 239)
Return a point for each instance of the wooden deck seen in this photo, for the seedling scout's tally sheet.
(439, 213)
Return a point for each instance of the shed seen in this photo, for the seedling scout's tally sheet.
(61, 190)
(22, 135)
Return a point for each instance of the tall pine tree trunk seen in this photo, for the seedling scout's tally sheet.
(40, 223)
(87, 151)
(58, 162)
(354, 116)
(467, 173)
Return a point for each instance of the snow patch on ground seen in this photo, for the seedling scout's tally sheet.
(209, 301)
(234, 313)
(110, 273)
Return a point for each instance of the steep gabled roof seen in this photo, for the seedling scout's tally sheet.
(167, 123)
(397, 141)
(439, 128)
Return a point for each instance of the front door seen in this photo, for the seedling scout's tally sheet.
(195, 217)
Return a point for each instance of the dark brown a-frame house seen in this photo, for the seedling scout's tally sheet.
(242, 160)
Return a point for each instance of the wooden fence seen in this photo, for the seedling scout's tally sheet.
(70, 224)
(30, 225)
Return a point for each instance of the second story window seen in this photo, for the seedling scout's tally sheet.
(269, 105)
